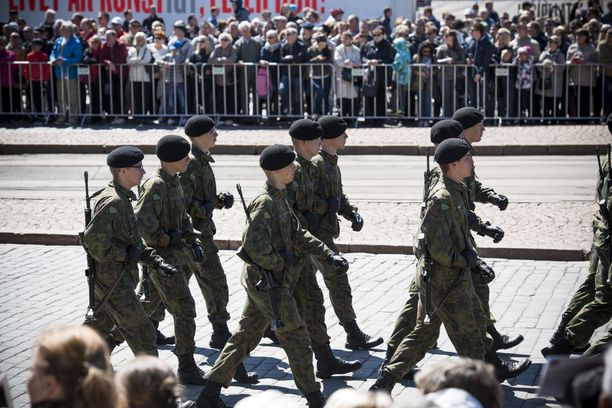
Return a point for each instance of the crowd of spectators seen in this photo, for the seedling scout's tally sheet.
(300, 62)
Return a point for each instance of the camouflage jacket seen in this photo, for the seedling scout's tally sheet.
(478, 192)
(602, 221)
(330, 185)
(161, 208)
(273, 229)
(113, 228)
(445, 224)
(199, 186)
(303, 192)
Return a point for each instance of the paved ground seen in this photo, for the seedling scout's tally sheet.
(43, 286)
(558, 139)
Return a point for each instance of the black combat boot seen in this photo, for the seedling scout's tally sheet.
(244, 377)
(112, 344)
(220, 335)
(356, 339)
(384, 382)
(315, 399)
(561, 347)
(503, 341)
(560, 332)
(506, 369)
(269, 333)
(161, 339)
(328, 364)
(210, 397)
(188, 371)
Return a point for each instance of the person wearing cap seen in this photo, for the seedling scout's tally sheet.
(117, 26)
(113, 55)
(307, 33)
(302, 196)
(334, 202)
(113, 240)
(166, 227)
(241, 13)
(134, 27)
(591, 305)
(274, 239)
(550, 78)
(445, 225)
(201, 199)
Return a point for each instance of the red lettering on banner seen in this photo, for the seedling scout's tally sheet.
(225, 8)
(119, 5)
(74, 5)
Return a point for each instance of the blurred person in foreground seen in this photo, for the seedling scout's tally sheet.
(351, 398)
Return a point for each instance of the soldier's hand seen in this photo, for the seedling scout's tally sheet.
(333, 204)
(471, 257)
(493, 232)
(472, 218)
(288, 258)
(485, 272)
(340, 264)
(311, 220)
(132, 254)
(226, 199)
(499, 200)
(198, 252)
(165, 268)
(356, 221)
(176, 236)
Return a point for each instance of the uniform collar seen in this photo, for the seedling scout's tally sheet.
(199, 154)
(274, 192)
(303, 161)
(452, 184)
(163, 174)
(129, 194)
(329, 157)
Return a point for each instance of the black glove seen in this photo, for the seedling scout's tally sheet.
(499, 200)
(176, 236)
(472, 218)
(132, 254)
(288, 258)
(208, 208)
(485, 272)
(311, 220)
(471, 257)
(333, 204)
(226, 200)
(493, 232)
(356, 221)
(198, 252)
(164, 268)
(341, 264)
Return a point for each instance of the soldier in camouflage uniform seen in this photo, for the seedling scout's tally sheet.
(166, 227)
(113, 240)
(472, 121)
(271, 238)
(333, 202)
(303, 199)
(201, 198)
(445, 224)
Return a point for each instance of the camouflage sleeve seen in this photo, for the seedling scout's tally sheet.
(481, 193)
(476, 223)
(306, 242)
(257, 237)
(194, 207)
(346, 209)
(187, 227)
(148, 210)
(436, 226)
(292, 198)
(99, 237)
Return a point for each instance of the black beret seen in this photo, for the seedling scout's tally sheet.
(333, 126)
(275, 157)
(609, 122)
(124, 156)
(305, 129)
(451, 150)
(172, 148)
(199, 125)
(445, 129)
(468, 117)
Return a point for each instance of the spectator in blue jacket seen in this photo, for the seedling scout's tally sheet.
(66, 53)
(479, 53)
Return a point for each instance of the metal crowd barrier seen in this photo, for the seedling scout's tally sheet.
(271, 91)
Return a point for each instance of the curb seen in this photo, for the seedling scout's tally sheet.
(538, 254)
(255, 149)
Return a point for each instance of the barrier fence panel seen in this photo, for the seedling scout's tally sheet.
(420, 94)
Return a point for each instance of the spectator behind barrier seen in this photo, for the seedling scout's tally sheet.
(71, 368)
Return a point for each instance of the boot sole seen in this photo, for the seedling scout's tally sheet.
(327, 374)
(520, 371)
(247, 380)
(367, 346)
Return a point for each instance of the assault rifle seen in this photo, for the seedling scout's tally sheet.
(423, 247)
(90, 271)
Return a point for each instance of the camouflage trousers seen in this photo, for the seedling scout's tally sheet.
(483, 292)
(597, 312)
(293, 337)
(212, 281)
(586, 292)
(309, 298)
(340, 293)
(457, 307)
(123, 312)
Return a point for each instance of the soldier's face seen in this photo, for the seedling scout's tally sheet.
(285, 175)
(181, 165)
(341, 141)
(465, 166)
(312, 147)
(207, 141)
(474, 134)
(134, 174)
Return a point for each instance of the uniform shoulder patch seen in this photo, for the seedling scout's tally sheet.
(156, 197)
(267, 215)
(444, 206)
(112, 210)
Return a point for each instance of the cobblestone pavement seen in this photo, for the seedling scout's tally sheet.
(389, 226)
(43, 287)
(527, 137)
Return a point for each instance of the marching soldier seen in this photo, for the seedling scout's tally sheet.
(272, 239)
(113, 240)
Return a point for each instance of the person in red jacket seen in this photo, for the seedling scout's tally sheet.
(37, 72)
